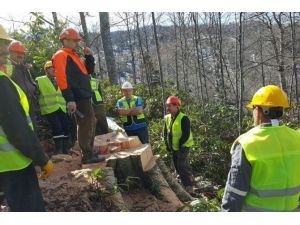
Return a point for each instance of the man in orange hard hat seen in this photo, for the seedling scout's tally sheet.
(73, 78)
(20, 150)
(179, 139)
(19, 73)
(264, 174)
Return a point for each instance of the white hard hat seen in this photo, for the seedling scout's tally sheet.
(127, 85)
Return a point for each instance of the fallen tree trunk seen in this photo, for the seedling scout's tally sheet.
(175, 186)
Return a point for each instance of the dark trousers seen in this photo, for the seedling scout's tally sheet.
(101, 122)
(22, 191)
(86, 128)
(181, 163)
(141, 133)
(59, 123)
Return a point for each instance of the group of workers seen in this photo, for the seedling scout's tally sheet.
(264, 173)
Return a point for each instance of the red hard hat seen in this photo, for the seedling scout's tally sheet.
(16, 46)
(173, 100)
(69, 33)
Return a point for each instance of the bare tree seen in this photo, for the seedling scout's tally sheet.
(107, 47)
(159, 61)
(84, 28)
(241, 66)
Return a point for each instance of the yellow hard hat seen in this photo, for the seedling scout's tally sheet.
(269, 96)
(47, 65)
(3, 34)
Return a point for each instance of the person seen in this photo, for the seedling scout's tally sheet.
(130, 109)
(20, 149)
(99, 107)
(53, 106)
(179, 139)
(264, 173)
(19, 73)
(73, 79)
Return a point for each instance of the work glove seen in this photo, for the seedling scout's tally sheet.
(46, 170)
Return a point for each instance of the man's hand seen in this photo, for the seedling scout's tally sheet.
(124, 112)
(71, 107)
(87, 51)
(47, 170)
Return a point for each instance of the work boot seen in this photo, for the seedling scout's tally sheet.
(190, 190)
(59, 145)
(94, 159)
(66, 145)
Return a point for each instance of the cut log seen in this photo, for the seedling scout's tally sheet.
(156, 183)
(114, 197)
(175, 186)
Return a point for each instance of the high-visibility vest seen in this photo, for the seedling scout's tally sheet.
(50, 99)
(177, 131)
(12, 159)
(274, 155)
(129, 121)
(95, 88)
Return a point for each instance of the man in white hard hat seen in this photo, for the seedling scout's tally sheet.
(130, 109)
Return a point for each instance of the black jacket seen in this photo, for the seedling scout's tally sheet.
(14, 123)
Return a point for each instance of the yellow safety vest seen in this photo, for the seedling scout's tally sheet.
(95, 88)
(50, 99)
(12, 159)
(274, 156)
(177, 131)
(129, 121)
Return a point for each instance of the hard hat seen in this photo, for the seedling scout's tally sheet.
(269, 96)
(173, 100)
(70, 33)
(47, 65)
(127, 85)
(3, 34)
(16, 46)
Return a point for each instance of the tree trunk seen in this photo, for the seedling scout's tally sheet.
(241, 54)
(131, 47)
(198, 53)
(56, 23)
(159, 63)
(107, 47)
(295, 74)
(84, 28)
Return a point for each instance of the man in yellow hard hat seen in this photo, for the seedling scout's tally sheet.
(20, 149)
(53, 107)
(264, 173)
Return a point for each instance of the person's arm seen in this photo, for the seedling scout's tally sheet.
(165, 133)
(186, 129)
(90, 63)
(138, 109)
(238, 182)
(59, 61)
(15, 126)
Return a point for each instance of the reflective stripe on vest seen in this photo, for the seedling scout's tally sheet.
(274, 155)
(50, 99)
(95, 86)
(177, 131)
(129, 121)
(12, 159)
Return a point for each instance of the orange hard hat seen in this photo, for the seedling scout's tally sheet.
(16, 46)
(70, 33)
(173, 100)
